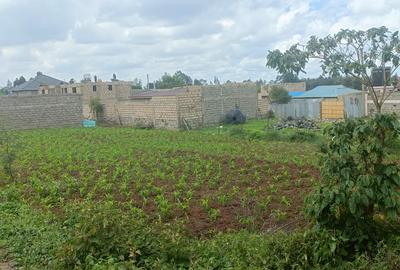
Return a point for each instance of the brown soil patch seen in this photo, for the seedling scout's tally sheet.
(260, 195)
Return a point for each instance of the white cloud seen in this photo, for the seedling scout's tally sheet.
(229, 39)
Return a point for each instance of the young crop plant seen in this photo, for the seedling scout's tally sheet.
(359, 193)
(273, 188)
(213, 214)
(279, 215)
(205, 203)
(223, 199)
(163, 205)
(285, 201)
(265, 202)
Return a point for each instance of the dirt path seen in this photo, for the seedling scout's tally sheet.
(4, 265)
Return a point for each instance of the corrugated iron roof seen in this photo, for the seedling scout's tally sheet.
(296, 93)
(328, 91)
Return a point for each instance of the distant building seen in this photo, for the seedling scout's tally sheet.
(108, 92)
(391, 104)
(327, 91)
(328, 102)
(33, 86)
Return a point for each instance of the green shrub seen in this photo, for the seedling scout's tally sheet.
(29, 237)
(103, 233)
(279, 95)
(96, 107)
(268, 251)
(359, 194)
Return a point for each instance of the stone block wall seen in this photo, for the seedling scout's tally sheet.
(391, 105)
(157, 112)
(219, 100)
(40, 111)
(262, 106)
(190, 110)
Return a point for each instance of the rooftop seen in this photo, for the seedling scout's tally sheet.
(328, 91)
(296, 93)
(35, 83)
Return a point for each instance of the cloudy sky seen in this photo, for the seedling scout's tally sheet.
(204, 38)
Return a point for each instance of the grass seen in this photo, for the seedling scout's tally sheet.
(210, 184)
(263, 130)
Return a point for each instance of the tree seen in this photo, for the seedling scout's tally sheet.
(72, 81)
(178, 79)
(279, 95)
(137, 84)
(199, 82)
(259, 84)
(180, 76)
(350, 53)
(216, 80)
(19, 81)
(167, 81)
(287, 78)
(347, 81)
(96, 107)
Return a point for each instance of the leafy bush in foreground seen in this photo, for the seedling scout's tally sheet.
(359, 194)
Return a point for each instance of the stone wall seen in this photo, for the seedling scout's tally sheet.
(188, 107)
(219, 100)
(263, 106)
(391, 105)
(190, 110)
(40, 111)
(157, 112)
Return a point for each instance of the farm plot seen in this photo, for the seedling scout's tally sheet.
(120, 198)
(207, 183)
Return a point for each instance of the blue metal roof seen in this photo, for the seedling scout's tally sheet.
(328, 91)
(296, 93)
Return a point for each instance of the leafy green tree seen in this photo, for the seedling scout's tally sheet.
(137, 84)
(279, 95)
(348, 52)
(359, 192)
(180, 76)
(287, 78)
(170, 81)
(259, 84)
(199, 82)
